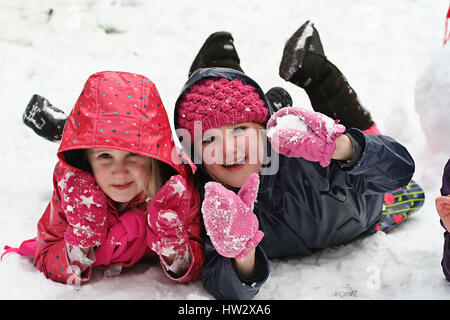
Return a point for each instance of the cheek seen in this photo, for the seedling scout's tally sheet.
(141, 173)
(101, 175)
(253, 145)
(211, 153)
(211, 168)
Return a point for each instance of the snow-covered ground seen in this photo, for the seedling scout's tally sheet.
(382, 47)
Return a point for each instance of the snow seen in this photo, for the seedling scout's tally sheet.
(288, 121)
(432, 90)
(298, 122)
(169, 215)
(382, 47)
(306, 33)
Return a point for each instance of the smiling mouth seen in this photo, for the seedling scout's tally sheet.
(236, 164)
(122, 186)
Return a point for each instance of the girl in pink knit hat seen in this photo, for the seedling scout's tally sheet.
(119, 195)
(290, 182)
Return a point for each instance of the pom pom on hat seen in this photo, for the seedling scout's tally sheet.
(216, 102)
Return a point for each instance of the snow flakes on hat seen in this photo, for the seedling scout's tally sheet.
(218, 102)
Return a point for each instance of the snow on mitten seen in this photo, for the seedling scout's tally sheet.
(229, 219)
(85, 206)
(297, 132)
(443, 209)
(166, 216)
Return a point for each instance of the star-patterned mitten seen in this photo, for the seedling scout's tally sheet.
(85, 206)
(166, 217)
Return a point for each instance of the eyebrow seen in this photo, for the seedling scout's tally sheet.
(97, 151)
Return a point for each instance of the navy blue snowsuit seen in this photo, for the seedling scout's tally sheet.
(304, 207)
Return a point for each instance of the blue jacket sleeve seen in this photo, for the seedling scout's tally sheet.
(220, 278)
(384, 165)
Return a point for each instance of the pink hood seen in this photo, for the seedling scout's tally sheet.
(121, 110)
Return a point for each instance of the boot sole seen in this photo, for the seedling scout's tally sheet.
(40, 114)
(207, 43)
(296, 47)
(279, 95)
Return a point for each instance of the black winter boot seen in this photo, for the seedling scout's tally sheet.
(217, 51)
(279, 98)
(304, 64)
(45, 119)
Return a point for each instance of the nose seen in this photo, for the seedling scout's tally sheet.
(230, 147)
(119, 169)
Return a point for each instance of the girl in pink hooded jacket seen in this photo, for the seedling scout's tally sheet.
(121, 190)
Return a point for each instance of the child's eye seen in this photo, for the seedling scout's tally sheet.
(208, 139)
(104, 156)
(131, 154)
(238, 130)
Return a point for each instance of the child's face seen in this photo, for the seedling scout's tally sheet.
(232, 152)
(121, 175)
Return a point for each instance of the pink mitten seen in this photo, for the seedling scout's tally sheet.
(166, 216)
(443, 209)
(229, 218)
(297, 132)
(85, 206)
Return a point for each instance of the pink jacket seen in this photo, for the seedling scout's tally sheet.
(116, 110)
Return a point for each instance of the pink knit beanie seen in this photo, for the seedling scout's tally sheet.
(217, 102)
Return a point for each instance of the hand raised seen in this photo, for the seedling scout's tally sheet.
(297, 132)
(229, 219)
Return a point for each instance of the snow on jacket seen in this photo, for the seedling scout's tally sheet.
(116, 110)
(303, 207)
